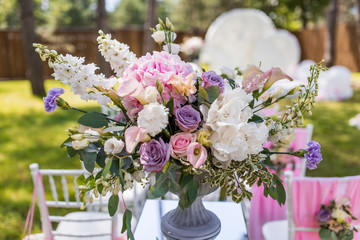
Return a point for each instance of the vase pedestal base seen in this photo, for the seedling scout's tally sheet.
(194, 223)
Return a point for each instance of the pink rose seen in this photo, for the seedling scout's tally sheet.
(196, 154)
(179, 144)
(133, 136)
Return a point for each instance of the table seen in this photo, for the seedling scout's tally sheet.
(230, 214)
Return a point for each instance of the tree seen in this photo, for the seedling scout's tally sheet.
(129, 13)
(149, 44)
(102, 24)
(331, 36)
(34, 69)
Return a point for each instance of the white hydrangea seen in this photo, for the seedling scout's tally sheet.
(153, 117)
(232, 137)
(117, 54)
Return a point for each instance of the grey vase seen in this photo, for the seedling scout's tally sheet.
(195, 222)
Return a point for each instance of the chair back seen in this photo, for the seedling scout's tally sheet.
(305, 195)
(63, 199)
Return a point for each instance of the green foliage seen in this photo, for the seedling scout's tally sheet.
(127, 224)
(93, 119)
(113, 204)
(165, 181)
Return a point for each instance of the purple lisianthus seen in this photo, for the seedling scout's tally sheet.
(154, 155)
(313, 155)
(324, 215)
(187, 118)
(212, 79)
(50, 99)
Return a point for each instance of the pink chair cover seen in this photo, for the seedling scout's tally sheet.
(264, 209)
(309, 193)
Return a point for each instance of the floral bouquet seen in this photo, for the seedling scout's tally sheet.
(173, 124)
(335, 220)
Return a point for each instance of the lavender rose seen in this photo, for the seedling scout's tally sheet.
(154, 155)
(212, 79)
(50, 100)
(313, 155)
(324, 215)
(187, 118)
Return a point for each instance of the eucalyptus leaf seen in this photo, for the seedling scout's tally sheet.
(107, 166)
(213, 93)
(203, 95)
(325, 234)
(80, 180)
(256, 119)
(89, 159)
(69, 140)
(113, 204)
(93, 119)
(100, 158)
(71, 151)
(114, 168)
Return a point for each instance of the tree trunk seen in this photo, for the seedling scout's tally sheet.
(102, 24)
(357, 3)
(34, 71)
(149, 44)
(331, 36)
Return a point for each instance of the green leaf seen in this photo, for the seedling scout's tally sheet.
(185, 179)
(114, 168)
(93, 119)
(203, 95)
(325, 234)
(183, 200)
(192, 191)
(107, 167)
(80, 180)
(91, 148)
(71, 151)
(256, 119)
(281, 194)
(66, 141)
(113, 204)
(127, 224)
(158, 190)
(213, 93)
(170, 106)
(100, 158)
(89, 159)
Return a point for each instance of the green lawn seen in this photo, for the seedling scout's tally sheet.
(28, 134)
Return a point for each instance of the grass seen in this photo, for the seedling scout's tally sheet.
(28, 134)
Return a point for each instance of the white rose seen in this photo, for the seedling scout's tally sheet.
(113, 146)
(80, 144)
(151, 94)
(175, 48)
(158, 36)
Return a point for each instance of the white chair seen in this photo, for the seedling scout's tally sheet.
(77, 225)
(304, 202)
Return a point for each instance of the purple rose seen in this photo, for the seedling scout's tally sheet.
(50, 99)
(313, 155)
(187, 118)
(324, 215)
(154, 155)
(212, 79)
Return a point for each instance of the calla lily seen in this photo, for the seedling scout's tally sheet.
(196, 154)
(134, 135)
(131, 88)
(275, 74)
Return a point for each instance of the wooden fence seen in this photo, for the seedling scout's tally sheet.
(83, 43)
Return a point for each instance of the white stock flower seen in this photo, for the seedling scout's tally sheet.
(113, 146)
(151, 94)
(153, 117)
(80, 144)
(158, 36)
(117, 54)
(232, 137)
(175, 48)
